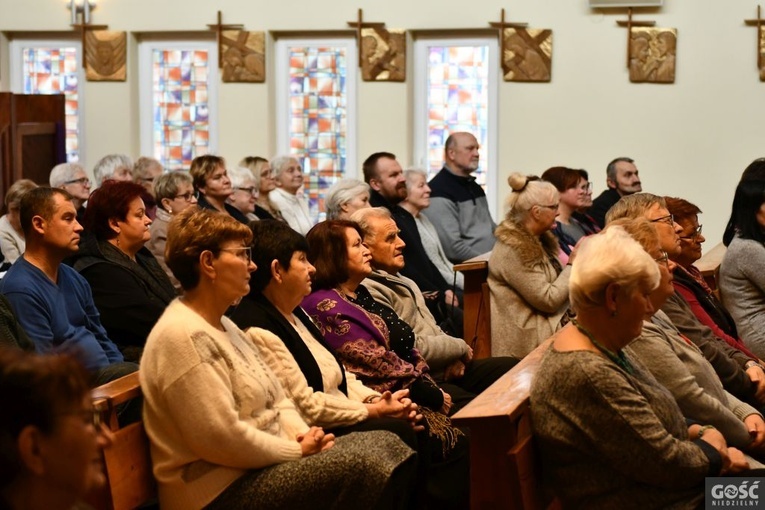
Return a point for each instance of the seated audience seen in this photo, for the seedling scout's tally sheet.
(621, 180)
(417, 200)
(688, 281)
(377, 346)
(265, 182)
(582, 214)
(741, 375)
(528, 283)
(450, 359)
(50, 448)
(129, 287)
(174, 192)
(345, 197)
(608, 432)
(754, 172)
(12, 243)
(246, 446)
(145, 172)
(245, 192)
(742, 279)
(114, 167)
(213, 185)
(53, 302)
(11, 333)
(572, 187)
(679, 365)
(293, 205)
(72, 178)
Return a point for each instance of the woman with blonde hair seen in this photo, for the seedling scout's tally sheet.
(213, 185)
(528, 283)
(265, 183)
(12, 243)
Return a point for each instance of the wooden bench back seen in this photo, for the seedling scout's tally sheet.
(476, 305)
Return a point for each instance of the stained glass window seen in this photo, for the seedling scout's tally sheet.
(318, 117)
(180, 106)
(457, 100)
(55, 71)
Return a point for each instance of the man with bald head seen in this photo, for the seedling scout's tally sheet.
(458, 206)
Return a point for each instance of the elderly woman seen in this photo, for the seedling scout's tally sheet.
(174, 192)
(572, 187)
(213, 185)
(608, 432)
(742, 280)
(345, 197)
(72, 178)
(130, 289)
(528, 283)
(12, 243)
(679, 365)
(265, 182)
(378, 347)
(688, 281)
(114, 167)
(145, 172)
(293, 206)
(50, 453)
(417, 199)
(245, 193)
(255, 449)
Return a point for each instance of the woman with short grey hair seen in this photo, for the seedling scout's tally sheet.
(345, 197)
(71, 177)
(117, 167)
(245, 191)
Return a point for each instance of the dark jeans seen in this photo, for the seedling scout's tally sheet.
(479, 375)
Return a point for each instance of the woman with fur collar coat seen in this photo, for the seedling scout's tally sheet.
(528, 284)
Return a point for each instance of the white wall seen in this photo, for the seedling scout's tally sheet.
(691, 139)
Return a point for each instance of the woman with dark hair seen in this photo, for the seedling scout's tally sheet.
(688, 281)
(581, 215)
(572, 187)
(742, 279)
(212, 183)
(130, 289)
(378, 347)
(50, 448)
(223, 433)
(754, 172)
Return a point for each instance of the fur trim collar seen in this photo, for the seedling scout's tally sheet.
(531, 249)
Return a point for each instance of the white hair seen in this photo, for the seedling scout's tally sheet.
(108, 166)
(238, 175)
(64, 172)
(342, 192)
(279, 162)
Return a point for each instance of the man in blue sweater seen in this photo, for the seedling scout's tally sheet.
(52, 302)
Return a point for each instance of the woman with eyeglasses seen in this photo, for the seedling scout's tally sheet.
(742, 279)
(213, 185)
(528, 283)
(174, 193)
(129, 287)
(71, 177)
(50, 448)
(223, 433)
(245, 193)
(265, 184)
(689, 282)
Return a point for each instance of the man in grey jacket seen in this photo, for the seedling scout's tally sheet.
(450, 359)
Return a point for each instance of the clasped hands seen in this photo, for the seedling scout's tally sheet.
(396, 405)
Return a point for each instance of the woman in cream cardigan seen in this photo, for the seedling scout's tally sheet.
(528, 283)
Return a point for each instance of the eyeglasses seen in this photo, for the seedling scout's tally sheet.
(187, 196)
(251, 190)
(664, 259)
(243, 252)
(88, 416)
(694, 235)
(82, 180)
(668, 219)
(553, 207)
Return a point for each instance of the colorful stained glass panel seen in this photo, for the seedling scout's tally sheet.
(318, 118)
(180, 108)
(458, 100)
(54, 71)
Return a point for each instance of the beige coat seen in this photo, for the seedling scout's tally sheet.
(528, 295)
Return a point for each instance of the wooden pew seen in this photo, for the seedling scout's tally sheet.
(130, 482)
(709, 265)
(476, 305)
(504, 468)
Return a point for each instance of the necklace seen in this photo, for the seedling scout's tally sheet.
(619, 358)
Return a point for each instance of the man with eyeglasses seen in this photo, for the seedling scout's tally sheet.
(71, 177)
(622, 180)
(740, 374)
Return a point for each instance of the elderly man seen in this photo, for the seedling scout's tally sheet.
(71, 177)
(115, 167)
(458, 206)
(450, 358)
(293, 205)
(741, 375)
(622, 180)
(52, 302)
(387, 189)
